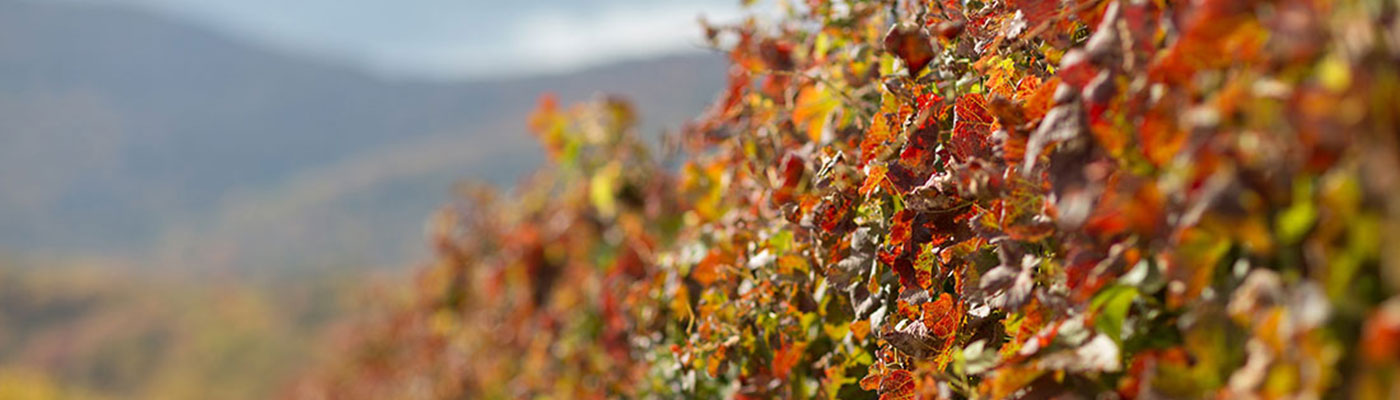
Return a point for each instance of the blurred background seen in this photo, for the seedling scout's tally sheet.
(193, 192)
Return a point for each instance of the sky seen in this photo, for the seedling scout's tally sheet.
(460, 39)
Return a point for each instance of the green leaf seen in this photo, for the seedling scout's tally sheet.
(1112, 306)
(1295, 222)
(780, 242)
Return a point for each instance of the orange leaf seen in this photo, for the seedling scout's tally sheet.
(860, 329)
(897, 385)
(871, 381)
(873, 179)
(708, 270)
(786, 357)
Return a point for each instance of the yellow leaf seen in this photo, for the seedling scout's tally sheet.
(814, 106)
(600, 189)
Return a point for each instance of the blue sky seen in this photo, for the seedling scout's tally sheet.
(460, 38)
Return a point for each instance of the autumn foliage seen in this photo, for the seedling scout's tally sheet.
(948, 199)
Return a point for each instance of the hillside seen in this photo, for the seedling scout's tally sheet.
(82, 331)
(130, 136)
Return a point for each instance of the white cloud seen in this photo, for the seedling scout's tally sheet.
(562, 41)
(549, 42)
(458, 38)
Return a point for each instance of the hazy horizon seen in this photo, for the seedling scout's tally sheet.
(129, 132)
(452, 40)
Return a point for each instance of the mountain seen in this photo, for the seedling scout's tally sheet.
(129, 135)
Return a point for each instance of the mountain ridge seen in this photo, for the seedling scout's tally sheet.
(123, 132)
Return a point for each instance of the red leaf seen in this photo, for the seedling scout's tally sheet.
(941, 316)
(912, 45)
(901, 227)
(971, 129)
(1036, 11)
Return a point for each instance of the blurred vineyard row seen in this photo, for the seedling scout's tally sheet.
(946, 199)
(86, 330)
